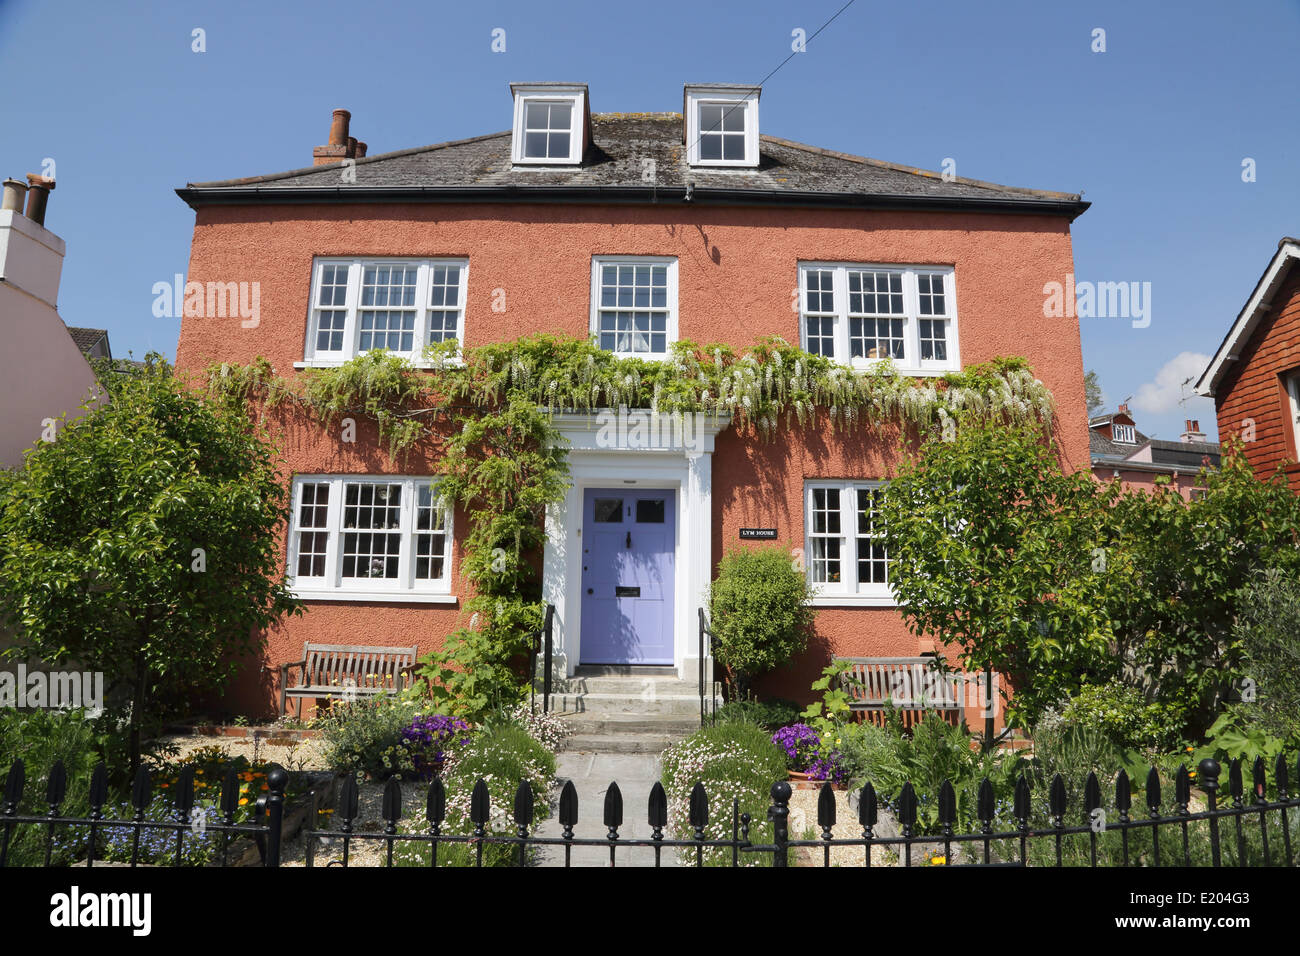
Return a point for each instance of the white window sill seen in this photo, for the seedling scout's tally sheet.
(854, 600)
(385, 597)
(858, 365)
(339, 363)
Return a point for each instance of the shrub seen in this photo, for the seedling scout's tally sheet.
(769, 714)
(502, 754)
(40, 738)
(734, 762)
(761, 615)
(547, 729)
(381, 736)
(1269, 631)
(1124, 715)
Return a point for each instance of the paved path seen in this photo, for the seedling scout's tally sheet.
(591, 774)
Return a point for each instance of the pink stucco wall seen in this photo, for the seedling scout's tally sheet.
(737, 274)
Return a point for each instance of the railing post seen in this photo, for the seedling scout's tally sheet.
(278, 781)
(701, 663)
(546, 660)
(779, 814)
(1209, 780)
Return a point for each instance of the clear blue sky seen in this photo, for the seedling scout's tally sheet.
(1154, 130)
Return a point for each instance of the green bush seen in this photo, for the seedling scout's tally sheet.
(734, 761)
(502, 754)
(771, 715)
(1269, 632)
(1124, 714)
(760, 612)
(41, 737)
(366, 735)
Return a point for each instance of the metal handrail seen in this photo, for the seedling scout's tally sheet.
(704, 629)
(542, 643)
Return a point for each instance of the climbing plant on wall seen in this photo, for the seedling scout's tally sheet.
(485, 417)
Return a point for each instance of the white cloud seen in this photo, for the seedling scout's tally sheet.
(1164, 394)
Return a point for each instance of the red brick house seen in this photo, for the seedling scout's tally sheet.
(1254, 377)
(711, 231)
(1120, 451)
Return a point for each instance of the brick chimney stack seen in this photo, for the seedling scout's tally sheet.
(1123, 410)
(1193, 432)
(341, 146)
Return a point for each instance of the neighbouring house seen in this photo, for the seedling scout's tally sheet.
(638, 230)
(1120, 451)
(92, 342)
(44, 374)
(1254, 377)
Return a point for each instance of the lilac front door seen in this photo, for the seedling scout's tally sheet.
(628, 539)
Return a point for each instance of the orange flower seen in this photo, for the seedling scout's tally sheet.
(243, 801)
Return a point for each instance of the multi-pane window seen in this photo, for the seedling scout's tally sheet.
(1123, 433)
(399, 305)
(722, 131)
(857, 314)
(354, 535)
(845, 550)
(548, 128)
(634, 305)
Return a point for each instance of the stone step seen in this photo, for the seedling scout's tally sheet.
(619, 743)
(657, 724)
(624, 704)
(629, 686)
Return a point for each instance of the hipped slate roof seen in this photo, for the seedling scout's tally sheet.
(613, 171)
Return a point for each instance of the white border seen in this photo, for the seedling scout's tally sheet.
(697, 96)
(593, 321)
(574, 96)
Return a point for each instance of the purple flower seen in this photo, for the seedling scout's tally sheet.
(428, 737)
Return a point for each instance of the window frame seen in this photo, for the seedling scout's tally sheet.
(331, 585)
(912, 363)
(670, 326)
(352, 308)
(575, 100)
(844, 592)
(746, 101)
(1129, 430)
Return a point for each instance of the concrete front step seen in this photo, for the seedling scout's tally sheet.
(629, 686)
(618, 743)
(624, 704)
(655, 724)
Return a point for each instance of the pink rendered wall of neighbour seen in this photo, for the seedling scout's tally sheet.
(737, 272)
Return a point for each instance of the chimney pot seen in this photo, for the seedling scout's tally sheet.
(339, 127)
(15, 191)
(1196, 424)
(38, 195)
(1123, 410)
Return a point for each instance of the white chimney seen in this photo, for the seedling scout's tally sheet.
(31, 257)
(1193, 432)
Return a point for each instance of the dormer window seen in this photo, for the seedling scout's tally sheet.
(721, 125)
(1122, 433)
(552, 124)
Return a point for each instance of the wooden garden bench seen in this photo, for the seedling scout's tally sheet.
(876, 684)
(346, 671)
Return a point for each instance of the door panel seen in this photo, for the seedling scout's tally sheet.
(628, 545)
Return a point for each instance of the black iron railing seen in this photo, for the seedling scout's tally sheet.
(705, 647)
(264, 828)
(543, 644)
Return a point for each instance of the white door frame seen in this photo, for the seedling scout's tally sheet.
(600, 455)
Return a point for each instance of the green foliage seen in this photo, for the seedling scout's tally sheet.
(1126, 716)
(734, 761)
(503, 754)
(1268, 631)
(828, 714)
(768, 714)
(142, 543)
(1234, 736)
(1183, 574)
(39, 738)
(366, 735)
(760, 611)
(1092, 392)
(991, 547)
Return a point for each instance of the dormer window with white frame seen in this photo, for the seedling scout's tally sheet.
(721, 125)
(551, 125)
(1123, 434)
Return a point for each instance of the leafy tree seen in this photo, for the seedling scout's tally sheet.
(994, 549)
(1092, 393)
(1269, 631)
(142, 543)
(1185, 576)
